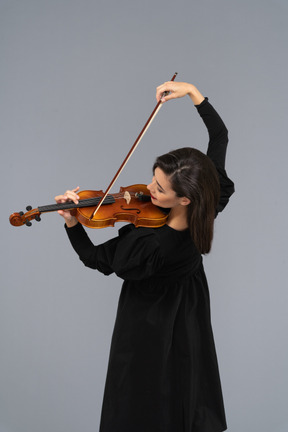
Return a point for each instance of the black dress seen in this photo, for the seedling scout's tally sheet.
(162, 373)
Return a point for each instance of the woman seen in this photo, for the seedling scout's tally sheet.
(163, 374)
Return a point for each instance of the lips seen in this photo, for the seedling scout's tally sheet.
(152, 196)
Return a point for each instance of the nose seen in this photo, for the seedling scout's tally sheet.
(150, 186)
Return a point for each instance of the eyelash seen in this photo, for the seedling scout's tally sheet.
(158, 189)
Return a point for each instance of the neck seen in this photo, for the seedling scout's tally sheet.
(177, 218)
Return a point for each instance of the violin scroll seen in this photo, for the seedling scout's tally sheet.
(21, 218)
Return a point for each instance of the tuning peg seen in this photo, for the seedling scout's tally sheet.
(37, 218)
(28, 223)
(21, 213)
(28, 208)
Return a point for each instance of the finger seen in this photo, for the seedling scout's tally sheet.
(168, 97)
(68, 196)
(60, 198)
(162, 89)
(166, 91)
(165, 85)
(72, 196)
(73, 192)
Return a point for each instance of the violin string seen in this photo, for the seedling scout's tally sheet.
(86, 202)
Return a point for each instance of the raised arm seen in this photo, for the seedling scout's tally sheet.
(218, 133)
(217, 147)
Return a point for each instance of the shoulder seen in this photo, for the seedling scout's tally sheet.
(163, 238)
(138, 241)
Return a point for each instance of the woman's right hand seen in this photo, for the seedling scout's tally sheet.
(69, 195)
(177, 90)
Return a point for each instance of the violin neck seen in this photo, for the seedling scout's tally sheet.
(89, 202)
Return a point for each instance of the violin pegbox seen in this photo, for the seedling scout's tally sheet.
(21, 218)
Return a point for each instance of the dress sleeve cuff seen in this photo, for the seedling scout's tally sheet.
(71, 228)
(202, 103)
(76, 232)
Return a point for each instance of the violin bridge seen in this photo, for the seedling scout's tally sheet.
(127, 197)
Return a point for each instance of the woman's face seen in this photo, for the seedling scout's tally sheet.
(161, 191)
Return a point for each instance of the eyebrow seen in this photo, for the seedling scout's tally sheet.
(160, 185)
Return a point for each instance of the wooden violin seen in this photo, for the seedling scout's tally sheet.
(97, 209)
(131, 204)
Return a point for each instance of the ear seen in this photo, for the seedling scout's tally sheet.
(184, 201)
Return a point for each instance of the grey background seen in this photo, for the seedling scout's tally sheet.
(77, 83)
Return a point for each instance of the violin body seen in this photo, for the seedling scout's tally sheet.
(132, 204)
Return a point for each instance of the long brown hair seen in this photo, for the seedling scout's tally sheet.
(193, 175)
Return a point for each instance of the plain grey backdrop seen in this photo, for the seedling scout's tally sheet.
(77, 84)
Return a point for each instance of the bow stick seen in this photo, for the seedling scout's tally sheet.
(133, 148)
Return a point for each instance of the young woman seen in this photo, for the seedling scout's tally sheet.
(162, 373)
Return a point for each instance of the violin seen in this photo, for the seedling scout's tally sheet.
(131, 204)
(99, 210)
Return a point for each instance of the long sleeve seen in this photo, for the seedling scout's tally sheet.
(217, 147)
(96, 257)
(133, 255)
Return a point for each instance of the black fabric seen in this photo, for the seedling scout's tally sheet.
(218, 141)
(162, 374)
